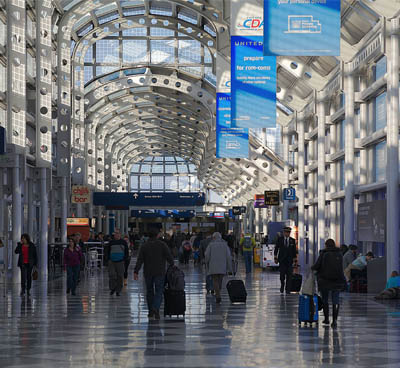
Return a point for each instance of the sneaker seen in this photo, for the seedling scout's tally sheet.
(118, 294)
(325, 322)
(68, 291)
(157, 315)
(112, 292)
(151, 314)
(73, 293)
(282, 289)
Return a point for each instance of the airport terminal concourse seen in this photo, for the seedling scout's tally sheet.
(199, 183)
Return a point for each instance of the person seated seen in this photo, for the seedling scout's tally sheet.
(393, 281)
(359, 264)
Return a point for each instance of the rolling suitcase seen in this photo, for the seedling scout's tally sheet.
(237, 291)
(308, 309)
(297, 279)
(174, 302)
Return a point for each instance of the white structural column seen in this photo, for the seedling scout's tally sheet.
(16, 222)
(44, 215)
(264, 220)
(64, 209)
(333, 204)
(311, 196)
(349, 156)
(257, 220)
(392, 172)
(285, 209)
(300, 191)
(321, 171)
(31, 208)
(363, 132)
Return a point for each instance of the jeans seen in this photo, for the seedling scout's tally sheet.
(154, 291)
(116, 275)
(72, 277)
(26, 277)
(248, 258)
(286, 271)
(334, 296)
(209, 283)
(127, 262)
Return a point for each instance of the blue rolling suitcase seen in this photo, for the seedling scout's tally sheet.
(308, 309)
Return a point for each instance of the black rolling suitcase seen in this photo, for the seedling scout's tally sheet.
(297, 279)
(174, 302)
(237, 291)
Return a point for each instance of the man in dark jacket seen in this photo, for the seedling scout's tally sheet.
(118, 253)
(284, 253)
(330, 277)
(153, 254)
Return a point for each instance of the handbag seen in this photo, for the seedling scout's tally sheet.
(35, 274)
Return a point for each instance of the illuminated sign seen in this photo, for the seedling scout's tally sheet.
(77, 221)
(80, 194)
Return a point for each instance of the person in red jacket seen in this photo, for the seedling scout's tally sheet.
(72, 264)
(26, 261)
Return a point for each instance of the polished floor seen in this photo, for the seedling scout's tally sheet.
(93, 329)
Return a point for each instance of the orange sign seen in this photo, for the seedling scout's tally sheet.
(80, 194)
(77, 221)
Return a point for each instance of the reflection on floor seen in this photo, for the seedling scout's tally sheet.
(93, 329)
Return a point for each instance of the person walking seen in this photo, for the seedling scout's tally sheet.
(72, 264)
(218, 259)
(27, 260)
(284, 254)
(128, 259)
(118, 253)
(154, 255)
(248, 243)
(330, 279)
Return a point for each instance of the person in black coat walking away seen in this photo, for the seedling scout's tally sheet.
(26, 261)
(284, 253)
(330, 278)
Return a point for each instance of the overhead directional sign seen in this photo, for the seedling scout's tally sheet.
(271, 197)
(302, 27)
(253, 85)
(289, 194)
(149, 200)
(236, 211)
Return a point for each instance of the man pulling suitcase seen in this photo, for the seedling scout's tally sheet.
(284, 253)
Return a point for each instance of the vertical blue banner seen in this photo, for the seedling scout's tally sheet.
(302, 27)
(253, 85)
(231, 142)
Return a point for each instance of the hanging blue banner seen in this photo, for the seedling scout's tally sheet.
(302, 27)
(231, 142)
(253, 86)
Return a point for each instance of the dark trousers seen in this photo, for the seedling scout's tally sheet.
(154, 291)
(186, 256)
(286, 271)
(127, 262)
(116, 274)
(26, 277)
(334, 296)
(72, 277)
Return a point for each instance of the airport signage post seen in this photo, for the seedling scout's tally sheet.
(302, 27)
(271, 197)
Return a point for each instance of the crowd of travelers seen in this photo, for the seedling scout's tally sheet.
(335, 268)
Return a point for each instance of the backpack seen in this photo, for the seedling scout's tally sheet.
(175, 278)
(186, 245)
(247, 242)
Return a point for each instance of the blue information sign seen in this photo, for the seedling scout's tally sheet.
(149, 200)
(253, 85)
(289, 194)
(302, 27)
(162, 213)
(231, 142)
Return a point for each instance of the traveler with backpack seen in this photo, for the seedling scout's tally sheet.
(219, 262)
(187, 250)
(330, 278)
(153, 254)
(248, 243)
(118, 253)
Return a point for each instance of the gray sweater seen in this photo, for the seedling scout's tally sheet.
(348, 258)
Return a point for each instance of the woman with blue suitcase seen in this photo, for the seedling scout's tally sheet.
(330, 279)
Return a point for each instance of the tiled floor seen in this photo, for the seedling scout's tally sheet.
(95, 330)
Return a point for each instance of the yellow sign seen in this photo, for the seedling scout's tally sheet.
(80, 194)
(77, 221)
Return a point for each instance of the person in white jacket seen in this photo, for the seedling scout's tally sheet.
(219, 262)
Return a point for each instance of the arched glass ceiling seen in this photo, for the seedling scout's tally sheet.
(164, 173)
